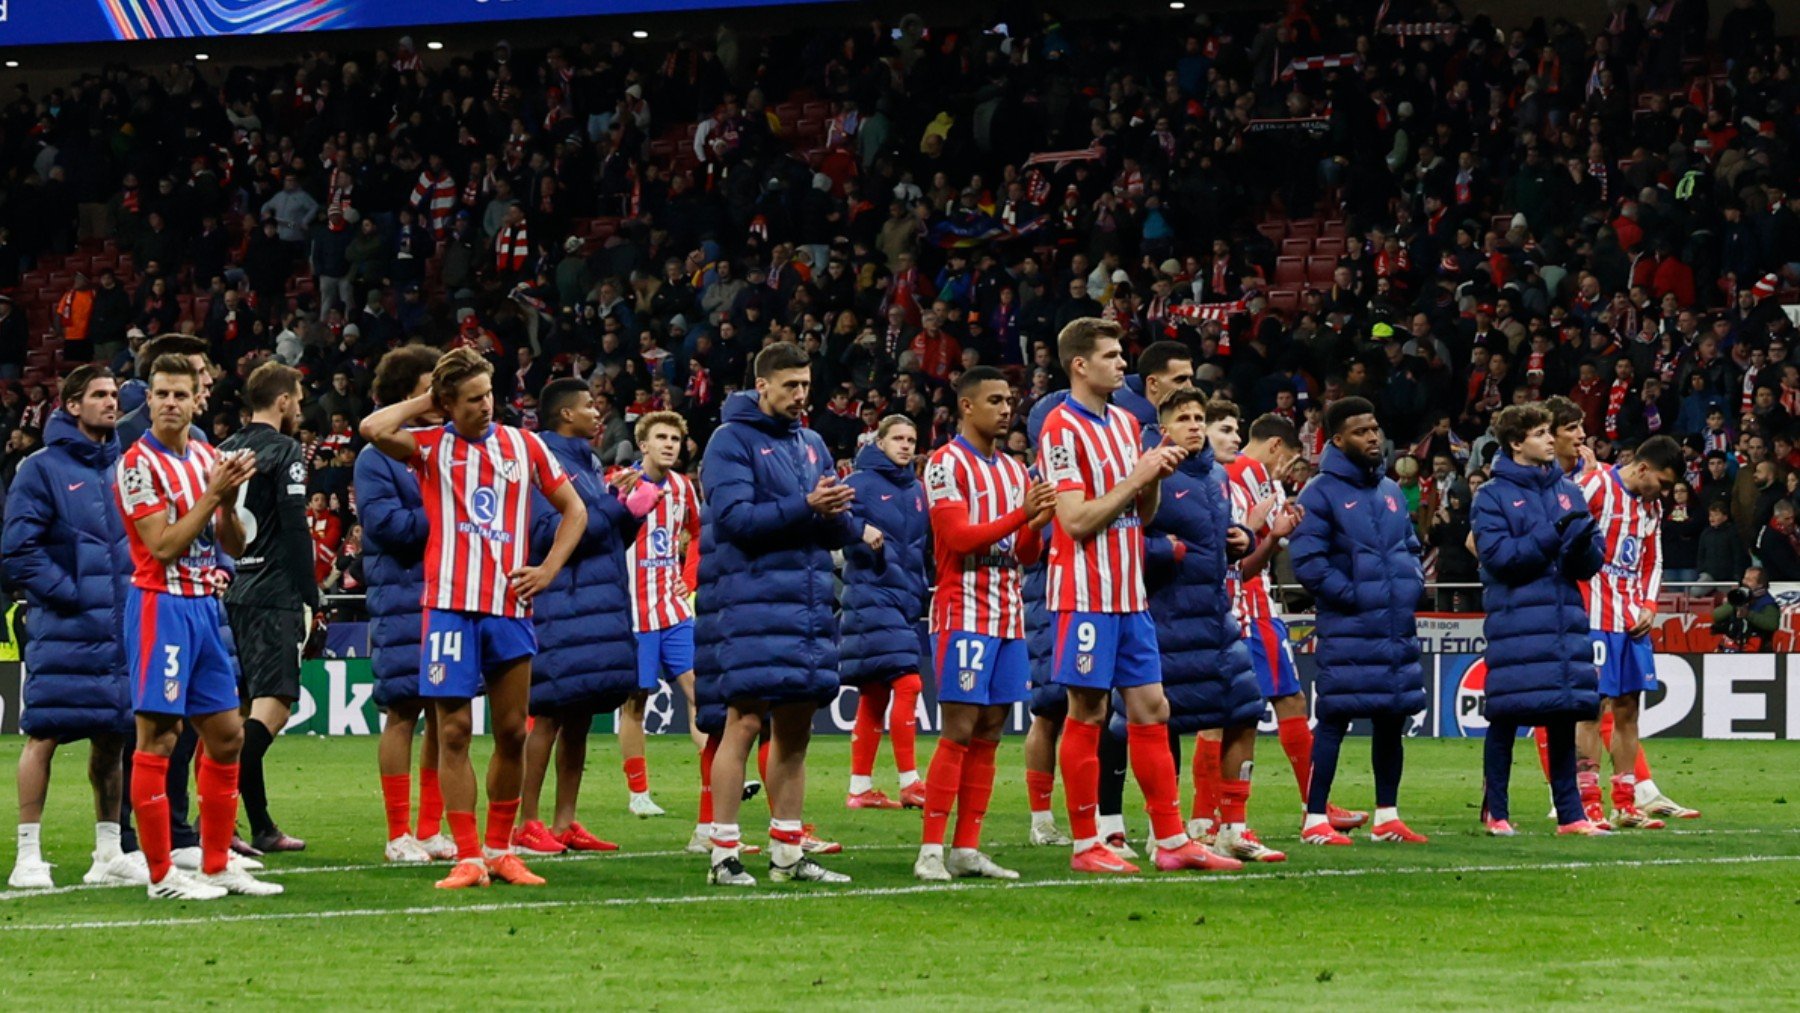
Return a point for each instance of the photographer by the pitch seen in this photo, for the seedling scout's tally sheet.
(1749, 615)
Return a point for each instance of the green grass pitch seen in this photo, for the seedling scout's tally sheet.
(1705, 914)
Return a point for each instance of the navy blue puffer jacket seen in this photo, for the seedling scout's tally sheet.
(64, 547)
(394, 532)
(587, 653)
(884, 592)
(1540, 660)
(765, 624)
(1206, 667)
(1356, 551)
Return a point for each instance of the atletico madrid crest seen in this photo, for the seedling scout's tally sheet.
(171, 689)
(435, 673)
(966, 679)
(1084, 663)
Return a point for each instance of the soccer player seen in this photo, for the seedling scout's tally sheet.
(1536, 542)
(1105, 640)
(474, 477)
(395, 530)
(1356, 551)
(1259, 502)
(1621, 599)
(587, 660)
(884, 593)
(1207, 676)
(660, 612)
(775, 510)
(176, 495)
(986, 515)
(64, 547)
(1575, 459)
(272, 599)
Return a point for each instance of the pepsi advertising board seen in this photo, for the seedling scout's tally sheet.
(42, 22)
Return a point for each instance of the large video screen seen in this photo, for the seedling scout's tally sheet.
(38, 22)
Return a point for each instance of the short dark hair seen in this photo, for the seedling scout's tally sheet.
(1341, 411)
(1181, 397)
(975, 377)
(1515, 422)
(1081, 336)
(780, 357)
(398, 372)
(1270, 425)
(1218, 410)
(557, 395)
(174, 365)
(170, 344)
(75, 385)
(1661, 453)
(1155, 359)
(267, 383)
(1563, 411)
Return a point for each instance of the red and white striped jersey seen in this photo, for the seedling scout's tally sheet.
(659, 591)
(1631, 574)
(478, 504)
(976, 592)
(1247, 483)
(512, 248)
(1090, 454)
(152, 479)
(435, 198)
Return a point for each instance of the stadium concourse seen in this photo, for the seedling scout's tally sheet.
(1475, 273)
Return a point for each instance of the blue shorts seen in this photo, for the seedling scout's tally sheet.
(179, 662)
(1272, 656)
(1106, 650)
(1627, 664)
(459, 648)
(985, 671)
(665, 654)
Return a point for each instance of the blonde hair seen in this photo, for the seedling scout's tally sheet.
(454, 367)
(888, 423)
(654, 419)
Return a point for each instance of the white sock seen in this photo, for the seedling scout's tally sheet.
(908, 778)
(1043, 818)
(1316, 820)
(29, 849)
(1110, 825)
(1645, 791)
(106, 839)
(860, 783)
(785, 854)
(1386, 813)
(487, 852)
(927, 850)
(1084, 843)
(964, 854)
(1231, 829)
(1171, 843)
(703, 829)
(640, 794)
(725, 841)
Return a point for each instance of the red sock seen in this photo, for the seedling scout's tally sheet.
(865, 737)
(218, 789)
(762, 772)
(1624, 791)
(637, 778)
(1039, 786)
(1206, 778)
(1234, 799)
(1587, 778)
(468, 838)
(943, 783)
(396, 795)
(1296, 742)
(707, 754)
(1154, 769)
(903, 722)
(501, 816)
(1642, 770)
(781, 836)
(150, 803)
(1079, 754)
(977, 789)
(1542, 736)
(1606, 729)
(431, 804)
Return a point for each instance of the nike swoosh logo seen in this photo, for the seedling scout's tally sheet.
(1518, 503)
(884, 499)
(938, 815)
(1120, 772)
(1181, 493)
(767, 451)
(76, 486)
(1114, 867)
(1090, 805)
(1350, 505)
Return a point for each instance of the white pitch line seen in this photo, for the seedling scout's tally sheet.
(890, 891)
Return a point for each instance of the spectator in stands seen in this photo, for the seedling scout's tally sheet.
(74, 317)
(1682, 525)
(21, 443)
(1778, 545)
(15, 339)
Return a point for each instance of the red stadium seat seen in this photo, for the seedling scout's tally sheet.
(1307, 228)
(1276, 231)
(1329, 246)
(1284, 300)
(1319, 269)
(1290, 271)
(1296, 247)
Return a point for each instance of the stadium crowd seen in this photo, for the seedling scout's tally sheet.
(1440, 213)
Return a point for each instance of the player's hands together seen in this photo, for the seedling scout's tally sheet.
(1158, 463)
(229, 472)
(829, 497)
(1040, 504)
(873, 538)
(1259, 514)
(1285, 520)
(528, 581)
(1237, 541)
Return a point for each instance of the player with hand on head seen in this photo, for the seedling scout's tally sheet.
(64, 547)
(1536, 542)
(395, 532)
(766, 636)
(884, 594)
(1270, 450)
(1106, 489)
(986, 518)
(177, 495)
(475, 477)
(659, 559)
(1626, 503)
(1356, 551)
(587, 660)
